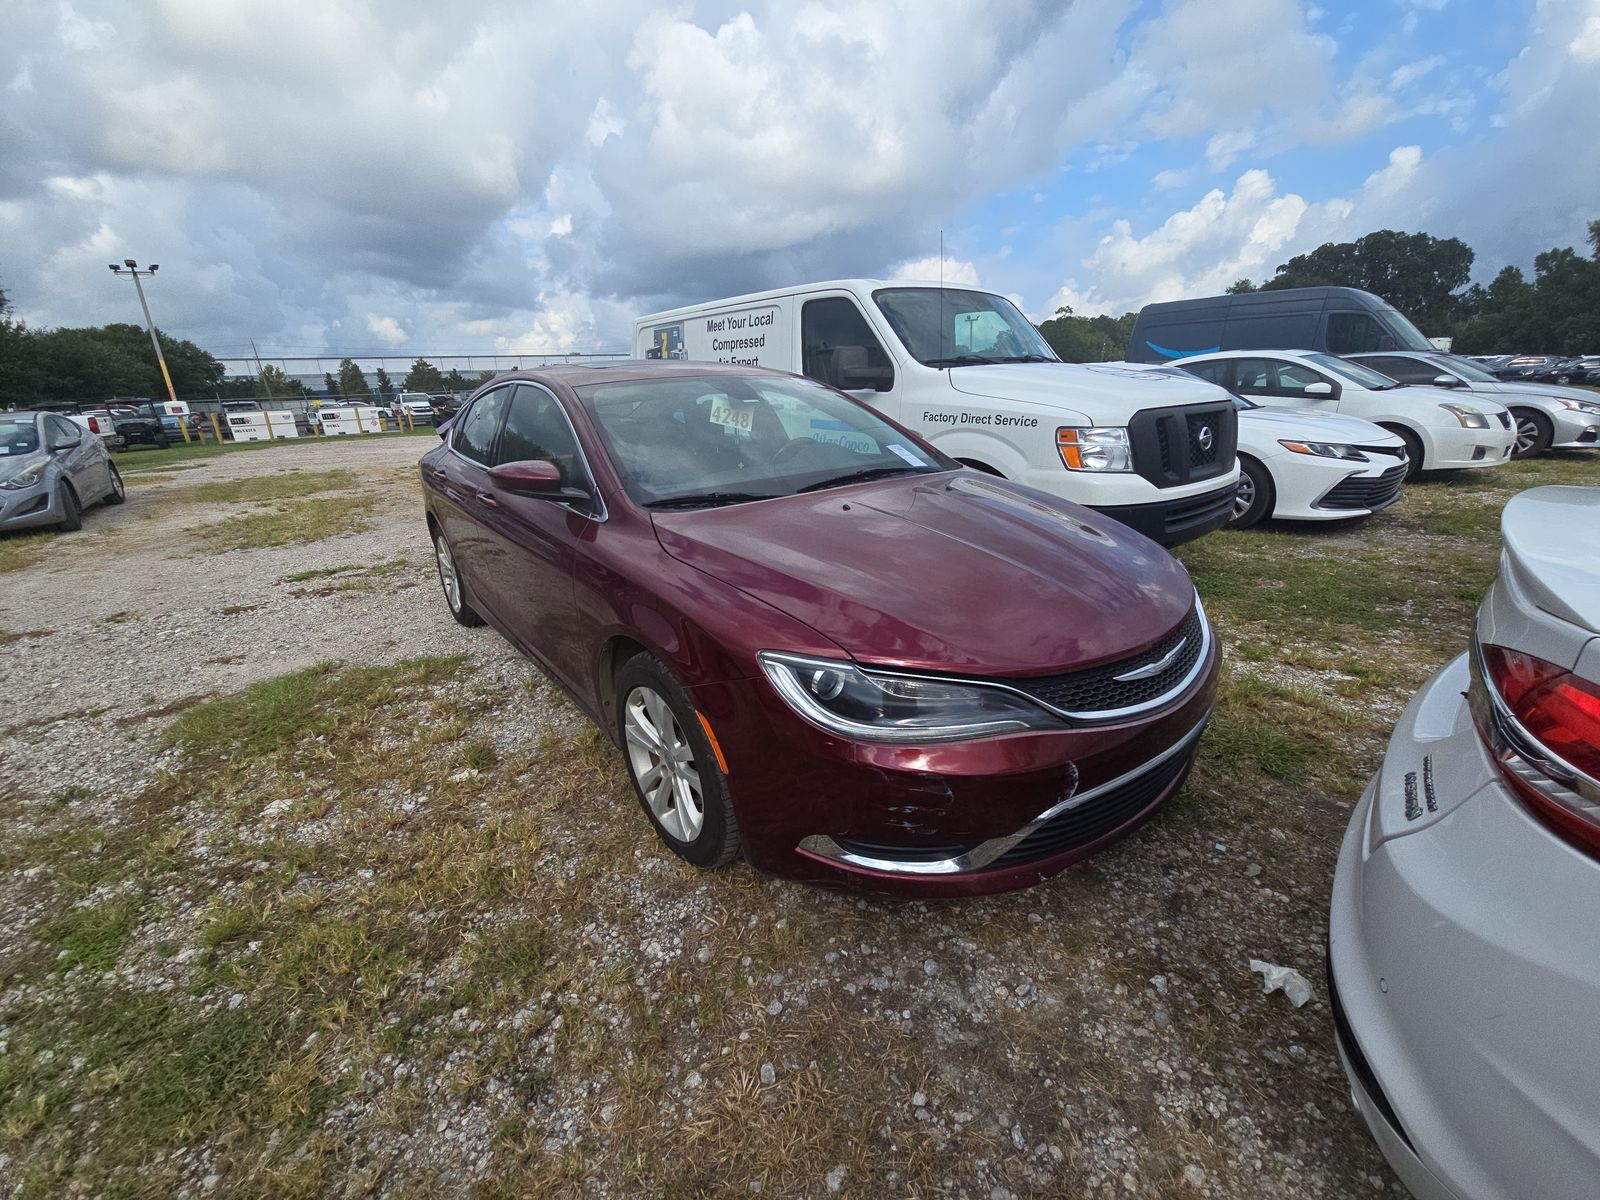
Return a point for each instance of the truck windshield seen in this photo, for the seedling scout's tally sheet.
(1407, 334)
(952, 327)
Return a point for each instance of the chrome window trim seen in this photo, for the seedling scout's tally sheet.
(987, 852)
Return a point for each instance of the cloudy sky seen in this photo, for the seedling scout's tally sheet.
(345, 176)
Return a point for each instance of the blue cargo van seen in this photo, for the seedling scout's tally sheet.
(1337, 320)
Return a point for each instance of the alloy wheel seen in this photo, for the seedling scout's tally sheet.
(1245, 496)
(662, 762)
(1527, 434)
(448, 579)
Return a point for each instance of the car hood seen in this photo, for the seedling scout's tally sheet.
(13, 465)
(1552, 545)
(956, 572)
(1547, 390)
(1270, 424)
(1115, 393)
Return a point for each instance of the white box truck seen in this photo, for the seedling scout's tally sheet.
(967, 371)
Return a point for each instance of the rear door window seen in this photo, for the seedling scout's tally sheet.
(1254, 376)
(474, 436)
(1211, 372)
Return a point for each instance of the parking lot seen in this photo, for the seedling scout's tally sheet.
(305, 889)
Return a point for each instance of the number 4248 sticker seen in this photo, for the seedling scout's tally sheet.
(734, 416)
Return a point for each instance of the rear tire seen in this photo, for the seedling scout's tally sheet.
(1413, 450)
(119, 490)
(675, 772)
(71, 511)
(1534, 433)
(1255, 498)
(455, 596)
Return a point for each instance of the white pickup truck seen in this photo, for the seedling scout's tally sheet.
(968, 372)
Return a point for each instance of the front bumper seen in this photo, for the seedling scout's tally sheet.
(1307, 487)
(1175, 521)
(30, 508)
(947, 819)
(1574, 430)
(1467, 966)
(1454, 447)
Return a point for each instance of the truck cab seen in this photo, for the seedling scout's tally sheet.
(973, 376)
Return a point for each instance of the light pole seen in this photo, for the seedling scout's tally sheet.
(133, 269)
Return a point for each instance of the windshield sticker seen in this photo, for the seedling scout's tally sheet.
(916, 460)
(734, 417)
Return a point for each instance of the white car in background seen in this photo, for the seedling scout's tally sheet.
(1442, 431)
(1464, 950)
(1311, 466)
(1548, 416)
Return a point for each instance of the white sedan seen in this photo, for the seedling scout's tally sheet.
(1442, 430)
(1311, 466)
(1464, 953)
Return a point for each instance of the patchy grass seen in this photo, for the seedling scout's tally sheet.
(350, 577)
(281, 486)
(18, 550)
(297, 522)
(8, 637)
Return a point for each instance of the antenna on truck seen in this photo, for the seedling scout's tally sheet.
(942, 301)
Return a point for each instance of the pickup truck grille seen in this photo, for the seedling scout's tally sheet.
(1175, 446)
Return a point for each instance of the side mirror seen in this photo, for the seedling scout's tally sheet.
(1320, 391)
(1448, 381)
(72, 445)
(536, 479)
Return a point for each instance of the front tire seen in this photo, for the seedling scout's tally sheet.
(71, 511)
(1413, 450)
(1254, 500)
(455, 597)
(675, 771)
(119, 490)
(1534, 433)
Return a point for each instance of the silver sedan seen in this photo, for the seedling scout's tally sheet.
(50, 471)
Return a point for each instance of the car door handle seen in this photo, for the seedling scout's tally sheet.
(488, 499)
(438, 473)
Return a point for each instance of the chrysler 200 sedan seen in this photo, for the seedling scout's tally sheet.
(816, 641)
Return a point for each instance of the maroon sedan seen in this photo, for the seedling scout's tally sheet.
(816, 640)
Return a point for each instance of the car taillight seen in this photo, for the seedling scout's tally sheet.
(94, 425)
(1549, 748)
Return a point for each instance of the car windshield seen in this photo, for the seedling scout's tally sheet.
(1353, 372)
(18, 434)
(702, 441)
(952, 327)
(1465, 368)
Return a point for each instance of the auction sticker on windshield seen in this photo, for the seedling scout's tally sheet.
(724, 412)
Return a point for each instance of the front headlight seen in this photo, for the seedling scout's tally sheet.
(1582, 406)
(1469, 417)
(1326, 450)
(25, 480)
(1092, 448)
(873, 706)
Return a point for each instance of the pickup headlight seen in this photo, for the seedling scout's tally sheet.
(1582, 406)
(1092, 448)
(1471, 418)
(873, 706)
(1326, 450)
(25, 480)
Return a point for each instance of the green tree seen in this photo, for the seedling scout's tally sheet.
(455, 381)
(275, 382)
(386, 388)
(352, 383)
(331, 385)
(423, 377)
(19, 381)
(1239, 287)
(116, 360)
(1088, 339)
(1417, 273)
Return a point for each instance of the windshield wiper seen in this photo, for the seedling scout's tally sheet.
(863, 476)
(1025, 358)
(960, 360)
(708, 499)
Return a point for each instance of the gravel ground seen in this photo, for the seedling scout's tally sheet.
(1099, 1035)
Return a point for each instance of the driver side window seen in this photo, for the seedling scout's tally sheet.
(839, 348)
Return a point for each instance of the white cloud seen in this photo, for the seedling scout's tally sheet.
(1586, 46)
(387, 330)
(1226, 146)
(1390, 180)
(955, 270)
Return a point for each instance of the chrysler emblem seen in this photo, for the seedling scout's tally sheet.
(1205, 437)
(1150, 670)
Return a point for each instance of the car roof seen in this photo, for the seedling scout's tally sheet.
(576, 375)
